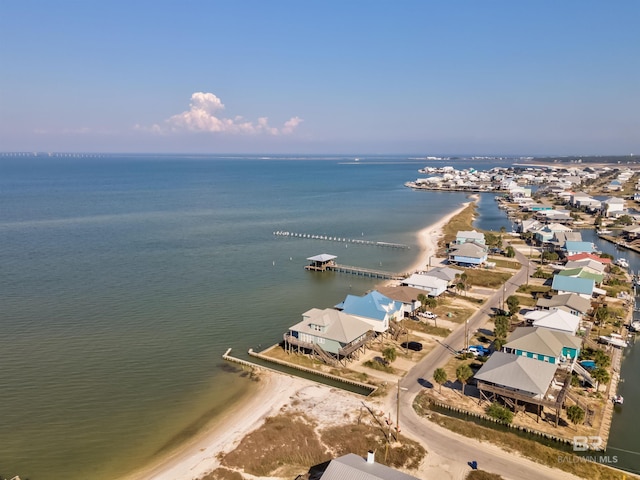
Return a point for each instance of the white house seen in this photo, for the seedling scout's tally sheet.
(433, 286)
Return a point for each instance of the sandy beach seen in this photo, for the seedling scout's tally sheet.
(274, 391)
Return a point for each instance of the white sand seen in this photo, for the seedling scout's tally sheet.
(199, 456)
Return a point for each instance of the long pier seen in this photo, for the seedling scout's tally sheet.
(356, 241)
(364, 272)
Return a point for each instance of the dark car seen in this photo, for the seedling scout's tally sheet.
(415, 346)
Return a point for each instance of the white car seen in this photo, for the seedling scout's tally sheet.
(429, 315)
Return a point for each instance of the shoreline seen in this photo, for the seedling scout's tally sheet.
(198, 455)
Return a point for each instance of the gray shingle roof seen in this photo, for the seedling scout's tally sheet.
(517, 372)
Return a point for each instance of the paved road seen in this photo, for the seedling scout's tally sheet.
(452, 447)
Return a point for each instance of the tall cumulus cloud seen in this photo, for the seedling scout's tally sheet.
(205, 115)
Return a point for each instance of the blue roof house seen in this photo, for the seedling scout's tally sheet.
(573, 248)
(374, 308)
(580, 286)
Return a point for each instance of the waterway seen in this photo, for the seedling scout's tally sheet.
(623, 448)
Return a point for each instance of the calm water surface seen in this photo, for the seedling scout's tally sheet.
(124, 280)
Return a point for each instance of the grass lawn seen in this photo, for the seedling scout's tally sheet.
(462, 221)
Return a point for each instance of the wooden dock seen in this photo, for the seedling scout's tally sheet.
(364, 272)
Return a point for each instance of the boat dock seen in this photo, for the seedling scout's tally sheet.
(356, 241)
(324, 262)
(365, 272)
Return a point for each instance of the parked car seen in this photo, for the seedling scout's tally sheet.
(415, 346)
(430, 315)
(478, 350)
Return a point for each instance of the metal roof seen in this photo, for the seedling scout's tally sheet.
(573, 284)
(372, 305)
(542, 341)
(340, 326)
(571, 300)
(354, 467)
(517, 372)
(323, 257)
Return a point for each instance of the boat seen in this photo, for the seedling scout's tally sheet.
(635, 326)
(622, 262)
(614, 339)
(618, 399)
(604, 232)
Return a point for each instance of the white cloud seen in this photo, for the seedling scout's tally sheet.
(204, 115)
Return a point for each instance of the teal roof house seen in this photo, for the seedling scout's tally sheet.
(543, 344)
(373, 308)
(573, 248)
(580, 286)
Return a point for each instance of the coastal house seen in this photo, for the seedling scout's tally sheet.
(547, 232)
(613, 207)
(469, 236)
(352, 466)
(582, 200)
(517, 373)
(580, 286)
(587, 264)
(614, 186)
(631, 233)
(573, 247)
(554, 320)
(529, 225)
(408, 296)
(429, 284)
(468, 254)
(543, 344)
(447, 274)
(373, 308)
(329, 333)
(569, 302)
(590, 256)
(581, 272)
(517, 380)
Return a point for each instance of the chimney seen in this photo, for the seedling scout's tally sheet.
(371, 456)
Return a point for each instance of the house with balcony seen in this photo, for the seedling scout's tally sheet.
(543, 344)
(468, 254)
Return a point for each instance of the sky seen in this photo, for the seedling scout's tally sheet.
(348, 76)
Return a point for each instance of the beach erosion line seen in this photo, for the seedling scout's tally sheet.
(199, 455)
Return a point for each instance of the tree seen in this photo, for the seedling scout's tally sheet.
(463, 373)
(602, 314)
(422, 298)
(440, 377)
(549, 256)
(501, 326)
(600, 375)
(503, 229)
(390, 354)
(510, 252)
(513, 302)
(602, 359)
(575, 414)
(499, 412)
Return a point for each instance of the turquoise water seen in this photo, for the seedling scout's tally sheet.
(124, 279)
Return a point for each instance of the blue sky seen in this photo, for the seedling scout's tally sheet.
(424, 77)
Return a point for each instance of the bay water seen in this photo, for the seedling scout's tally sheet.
(125, 278)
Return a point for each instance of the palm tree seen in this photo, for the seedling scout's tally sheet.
(600, 375)
(440, 377)
(463, 373)
(575, 414)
